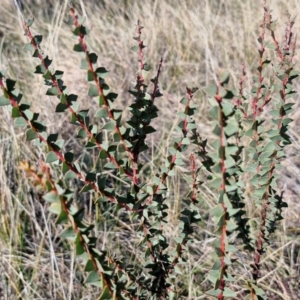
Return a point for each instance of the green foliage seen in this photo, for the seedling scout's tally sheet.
(239, 128)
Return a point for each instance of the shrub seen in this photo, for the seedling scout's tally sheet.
(239, 165)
